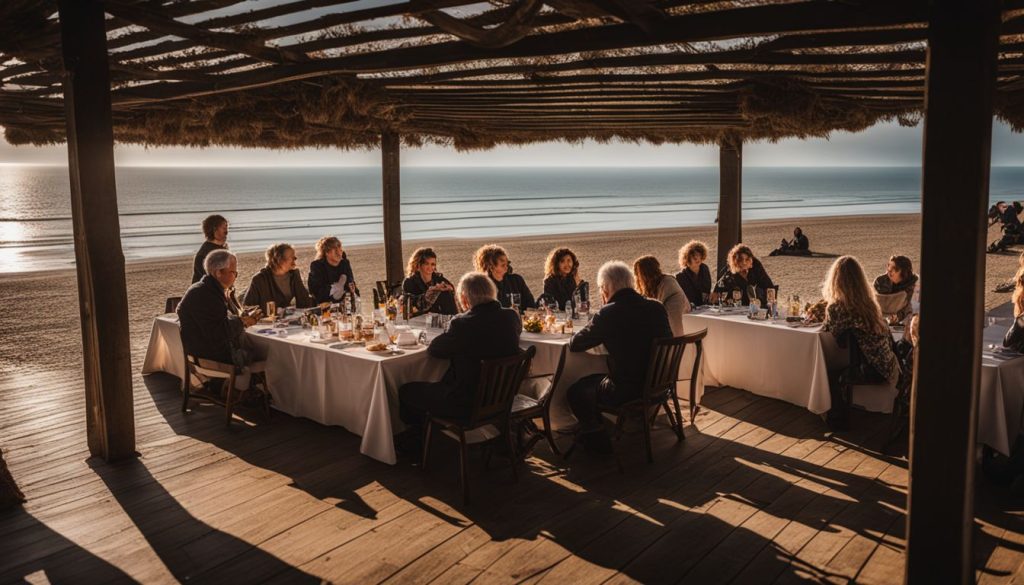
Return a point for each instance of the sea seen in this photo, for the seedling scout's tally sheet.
(161, 207)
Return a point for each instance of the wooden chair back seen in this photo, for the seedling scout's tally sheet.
(500, 379)
(663, 367)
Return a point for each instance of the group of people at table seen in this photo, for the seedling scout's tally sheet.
(640, 303)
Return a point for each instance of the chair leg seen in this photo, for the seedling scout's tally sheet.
(512, 456)
(427, 433)
(549, 435)
(463, 462)
(647, 437)
(678, 426)
(186, 382)
(229, 404)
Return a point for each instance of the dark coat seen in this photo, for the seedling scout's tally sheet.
(485, 331)
(1014, 338)
(203, 314)
(513, 283)
(560, 289)
(626, 326)
(756, 277)
(443, 304)
(197, 263)
(262, 288)
(322, 276)
(695, 286)
(800, 243)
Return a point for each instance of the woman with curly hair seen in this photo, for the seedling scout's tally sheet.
(330, 275)
(492, 260)
(436, 293)
(851, 309)
(1015, 336)
(745, 273)
(652, 283)
(278, 281)
(561, 277)
(694, 276)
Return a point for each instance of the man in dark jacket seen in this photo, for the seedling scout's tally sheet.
(207, 306)
(626, 325)
(485, 331)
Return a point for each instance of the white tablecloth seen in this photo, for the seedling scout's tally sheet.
(1000, 396)
(357, 389)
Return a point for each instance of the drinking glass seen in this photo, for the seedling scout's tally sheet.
(705, 297)
(392, 332)
(770, 295)
(737, 297)
(514, 299)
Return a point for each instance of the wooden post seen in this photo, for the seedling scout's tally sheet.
(393, 260)
(960, 82)
(103, 297)
(730, 200)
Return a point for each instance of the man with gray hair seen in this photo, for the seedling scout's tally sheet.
(625, 325)
(484, 331)
(207, 307)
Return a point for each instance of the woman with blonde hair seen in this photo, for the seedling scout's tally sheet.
(694, 276)
(562, 277)
(330, 275)
(492, 260)
(278, 281)
(436, 293)
(745, 273)
(1014, 338)
(652, 283)
(851, 309)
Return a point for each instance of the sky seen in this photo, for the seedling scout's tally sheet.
(880, 145)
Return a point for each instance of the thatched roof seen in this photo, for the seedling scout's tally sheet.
(474, 75)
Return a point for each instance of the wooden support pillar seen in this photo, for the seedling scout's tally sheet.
(103, 297)
(730, 200)
(393, 259)
(960, 82)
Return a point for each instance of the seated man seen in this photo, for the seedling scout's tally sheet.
(798, 246)
(484, 331)
(212, 326)
(626, 325)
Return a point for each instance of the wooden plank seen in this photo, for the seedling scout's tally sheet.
(103, 296)
(390, 144)
(730, 200)
(962, 49)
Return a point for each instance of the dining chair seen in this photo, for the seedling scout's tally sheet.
(526, 410)
(203, 369)
(490, 417)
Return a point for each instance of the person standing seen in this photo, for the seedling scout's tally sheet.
(215, 228)
(330, 274)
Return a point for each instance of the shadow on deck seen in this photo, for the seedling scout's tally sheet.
(759, 492)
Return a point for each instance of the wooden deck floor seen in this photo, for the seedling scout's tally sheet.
(758, 493)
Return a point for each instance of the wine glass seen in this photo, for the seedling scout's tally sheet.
(514, 299)
(392, 332)
(737, 297)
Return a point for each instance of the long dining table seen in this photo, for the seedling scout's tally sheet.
(358, 389)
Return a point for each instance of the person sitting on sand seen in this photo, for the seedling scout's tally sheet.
(798, 246)
(1013, 232)
(851, 308)
(436, 293)
(562, 278)
(215, 228)
(899, 281)
(694, 276)
(330, 275)
(492, 260)
(746, 273)
(278, 281)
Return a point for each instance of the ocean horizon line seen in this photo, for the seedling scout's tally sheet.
(478, 166)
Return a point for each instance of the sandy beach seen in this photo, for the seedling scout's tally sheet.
(40, 310)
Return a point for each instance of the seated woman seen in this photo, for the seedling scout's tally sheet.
(695, 276)
(652, 283)
(745, 271)
(852, 309)
(900, 281)
(278, 281)
(493, 261)
(798, 246)
(437, 294)
(1014, 338)
(561, 277)
(330, 275)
